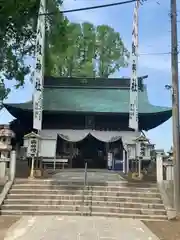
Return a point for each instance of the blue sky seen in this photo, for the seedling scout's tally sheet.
(154, 37)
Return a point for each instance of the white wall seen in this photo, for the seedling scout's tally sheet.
(48, 148)
(25, 143)
(49, 133)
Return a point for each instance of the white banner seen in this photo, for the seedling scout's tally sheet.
(39, 69)
(134, 88)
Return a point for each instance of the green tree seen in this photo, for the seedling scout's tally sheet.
(65, 62)
(18, 32)
(92, 52)
(111, 52)
(86, 58)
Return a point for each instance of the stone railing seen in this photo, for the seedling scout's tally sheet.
(9, 175)
(164, 167)
(8, 167)
(164, 174)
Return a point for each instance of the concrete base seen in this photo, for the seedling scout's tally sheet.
(171, 212)
(38, 173)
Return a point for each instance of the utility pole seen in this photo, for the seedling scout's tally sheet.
(175, 105)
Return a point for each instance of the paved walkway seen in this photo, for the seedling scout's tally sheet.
(77, 175)
(78, 228)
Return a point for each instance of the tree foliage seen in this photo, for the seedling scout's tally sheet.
(92, 52)
(71, 49)
(18, 32)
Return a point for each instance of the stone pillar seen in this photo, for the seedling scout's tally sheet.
(12, 167)
(159, 167)
(169, 172)
(2, 169)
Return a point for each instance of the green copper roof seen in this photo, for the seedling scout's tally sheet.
(97, 100)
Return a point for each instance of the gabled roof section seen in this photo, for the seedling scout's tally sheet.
(32, 135)
(92, 96)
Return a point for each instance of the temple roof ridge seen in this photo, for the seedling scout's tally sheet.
(84, 82)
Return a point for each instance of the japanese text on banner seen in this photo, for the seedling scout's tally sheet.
(134, 88)
(39, 69)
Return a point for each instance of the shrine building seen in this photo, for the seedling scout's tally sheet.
(85, 118)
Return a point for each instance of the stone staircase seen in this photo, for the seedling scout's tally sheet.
(113, 199)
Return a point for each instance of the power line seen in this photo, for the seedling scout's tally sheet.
(155, 53)
(95, 7)
(98, 6)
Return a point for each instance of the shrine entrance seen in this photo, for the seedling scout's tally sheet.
(91, 150)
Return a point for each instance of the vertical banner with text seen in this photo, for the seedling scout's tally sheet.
(39, 69)
(134, 88)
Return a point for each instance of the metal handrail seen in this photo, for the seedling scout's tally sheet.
(85, 175)
(84, 188)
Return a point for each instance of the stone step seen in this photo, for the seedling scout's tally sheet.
(38, 212)
(81, 183)
(85, 208)
(90, 188)
(44, 207)
(86, 202)
(126, 193)
(142, 217)
(76, 181)
(133, 210)
(45, 196)
(56, 213)
(126, 205)
(31, 196)
(94, 193)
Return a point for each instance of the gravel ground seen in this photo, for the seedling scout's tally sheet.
(165, 230)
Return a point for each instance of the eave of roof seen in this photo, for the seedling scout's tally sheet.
(90, 100)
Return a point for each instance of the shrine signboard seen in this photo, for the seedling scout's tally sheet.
(32, 147)
(32, 144)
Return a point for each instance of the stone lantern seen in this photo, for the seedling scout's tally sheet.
(170, 154)
(6, 135)
(143, 150)
(143, 147)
